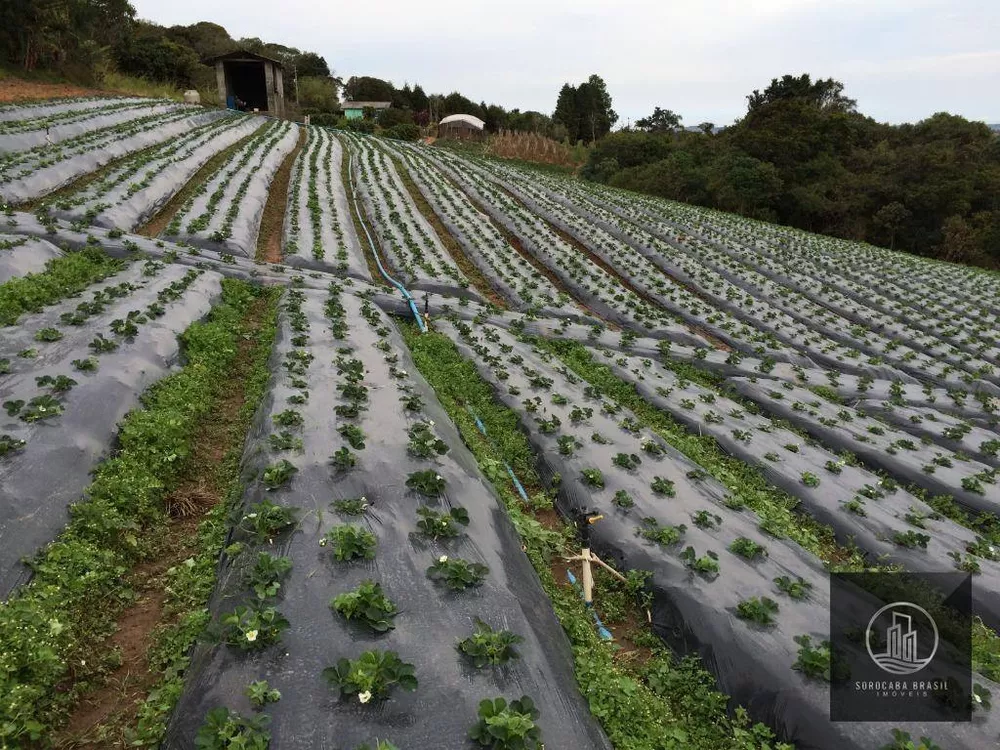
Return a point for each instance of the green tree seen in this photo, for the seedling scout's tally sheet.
(418, 99)
(890, 218)
(368, 89)
(661, 121)
(593, 104)
(205, 38)
(318, 94)
(826, 94)
(311, 65)
(566, 113)
(744, 184)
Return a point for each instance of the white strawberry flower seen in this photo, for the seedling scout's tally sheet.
(443, 559)
(365, 696)
(251, 636)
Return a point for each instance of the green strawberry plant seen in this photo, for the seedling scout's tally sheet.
(627, 461)
(438, 525)
(343, 460)
(593, 478)
(373, 675)
(252, 628)
(265, 519)
(228, 730)
(504, 726)
(349, 542)
(428, 483)
(489, 646)
(354, 436)
(747, 548)
(285, 441)
(662, 486)
(10, 444)
(85, 365)
(665, 535)
(267, 573)
(424, 443)
(707, 565)
(48, 334)
(260, 694)
(760, 610)
(367, 604)
(457, 574)
(278, 474)
(796, 589)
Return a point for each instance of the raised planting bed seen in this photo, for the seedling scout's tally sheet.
(32, 132)
(224, 213)
(715, 572)
(28, 175)
(864, 509)
(21, 255)
(318, 230)
(377, 487)
(409, 245)
(134, 190)
(589, 283)
(505, 269)
(940, 470)
(63, 404)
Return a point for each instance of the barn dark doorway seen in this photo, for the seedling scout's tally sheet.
(246, 80)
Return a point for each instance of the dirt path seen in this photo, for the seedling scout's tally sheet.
(18, 90)
(102, 713)
(272, 221)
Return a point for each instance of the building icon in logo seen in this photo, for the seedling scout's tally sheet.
(902, 654)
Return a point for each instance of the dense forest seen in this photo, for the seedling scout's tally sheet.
(803, 155)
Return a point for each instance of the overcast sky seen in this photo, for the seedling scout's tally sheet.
(902, 60)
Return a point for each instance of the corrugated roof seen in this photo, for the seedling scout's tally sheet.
(362, 105)
(242, 53)
(468, 119)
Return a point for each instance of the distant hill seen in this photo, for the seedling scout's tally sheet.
(995, 127)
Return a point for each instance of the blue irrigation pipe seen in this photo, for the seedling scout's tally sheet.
(510, 472)
(378, 261)
(602, 631)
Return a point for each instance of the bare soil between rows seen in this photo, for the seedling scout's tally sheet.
(101, 715)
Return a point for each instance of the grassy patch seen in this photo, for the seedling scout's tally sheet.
(62, 277)
(656, 703)
(191, 584)
(49, 629)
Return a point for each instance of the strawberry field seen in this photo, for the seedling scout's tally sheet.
(298, 428)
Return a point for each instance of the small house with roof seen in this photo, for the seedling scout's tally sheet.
(250, 82)
(356, 110)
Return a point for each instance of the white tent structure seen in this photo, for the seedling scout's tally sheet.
(460, 126)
